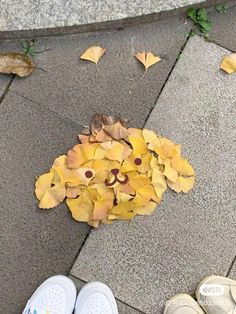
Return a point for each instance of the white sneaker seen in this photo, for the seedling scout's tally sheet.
(96, 298)
(217, 295)
(55, 295)
(182, 304)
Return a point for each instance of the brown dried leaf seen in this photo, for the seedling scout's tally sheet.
(100, 120)
(93, 54)
(16, 63)
(116, 131)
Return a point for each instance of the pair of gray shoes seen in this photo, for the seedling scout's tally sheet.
(215, 295)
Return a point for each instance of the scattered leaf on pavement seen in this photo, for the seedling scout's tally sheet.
(228, 63)
(93, 54)
(16, 63)
(147, 59)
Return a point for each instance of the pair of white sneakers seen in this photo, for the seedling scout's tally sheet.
(57, 295)
(214, 294)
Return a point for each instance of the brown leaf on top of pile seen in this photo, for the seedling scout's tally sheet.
(16, 63)
(104, 128)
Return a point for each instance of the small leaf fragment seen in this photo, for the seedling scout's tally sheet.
(228, 63)
(16, 63)
(93, 54)
(147, 58)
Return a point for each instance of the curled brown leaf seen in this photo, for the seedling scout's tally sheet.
(16, 63)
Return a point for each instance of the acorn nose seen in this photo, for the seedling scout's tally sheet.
(115, 171)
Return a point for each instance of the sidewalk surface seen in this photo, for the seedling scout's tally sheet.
(185, 97)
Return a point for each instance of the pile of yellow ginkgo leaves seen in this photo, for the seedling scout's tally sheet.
(115, 173)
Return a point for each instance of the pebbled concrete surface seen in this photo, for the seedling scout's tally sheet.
(58, 13)
(35, 243)
(122, 307)
(73, 87)
(223, 29)
(189, 236)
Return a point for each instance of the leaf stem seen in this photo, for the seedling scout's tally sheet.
(144, 73)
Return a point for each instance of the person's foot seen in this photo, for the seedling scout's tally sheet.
(217, 295)
(182, 304)
(55, 295)
(95, 298)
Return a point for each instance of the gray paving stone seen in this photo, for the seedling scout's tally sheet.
(223, 30)
(35, 244)
(189, 236)
(73, 88)
(122, 307)
(23, 15)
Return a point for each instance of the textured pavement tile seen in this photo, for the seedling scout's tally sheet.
(223, 30)
(189, 236)
(35, 243)
(122, 307)
(73, 88)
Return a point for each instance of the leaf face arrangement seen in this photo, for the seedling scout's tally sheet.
(115, 173)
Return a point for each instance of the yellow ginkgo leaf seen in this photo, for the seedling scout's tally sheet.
(145, 210)
(138, 144)
(93, 54)
(81, 208)
(147, 59)
(43, 183)
(118, 152)
(170, 173)
(48, 194)
(81, 153)
(53, 196)
(182, 184)
(182, 166)
(228, 63)
(149, 135)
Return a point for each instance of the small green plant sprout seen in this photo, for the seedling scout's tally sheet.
(28, 48)
(221, 8)
(200, 19)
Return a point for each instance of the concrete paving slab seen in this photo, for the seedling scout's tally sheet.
(59, 13)
(189, 236)
(223, 30)
(35, 244)
(73, 87)
(122, 307)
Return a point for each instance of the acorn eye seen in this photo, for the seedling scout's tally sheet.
(88, 174)
(138, 161)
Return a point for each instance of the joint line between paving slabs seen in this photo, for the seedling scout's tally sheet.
(166, 80)
(231, 266)
(77, 255)
(7, 89)
(218, 44)
(46, 109)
